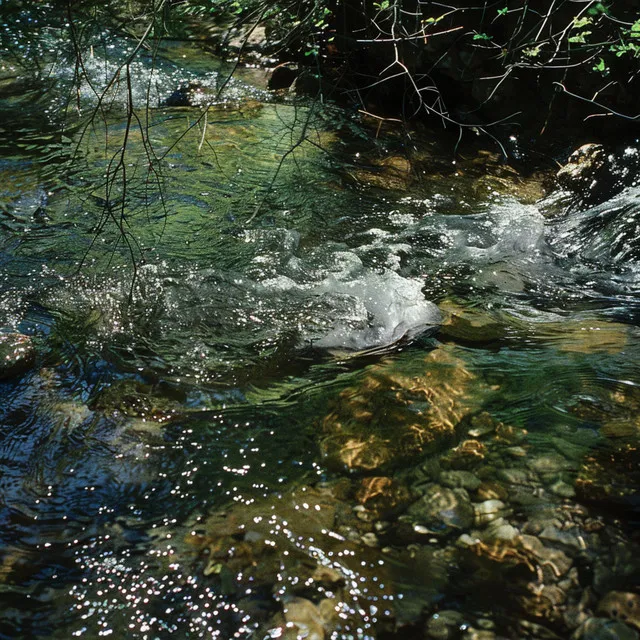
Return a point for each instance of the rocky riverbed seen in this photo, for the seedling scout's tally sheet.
(487, 513)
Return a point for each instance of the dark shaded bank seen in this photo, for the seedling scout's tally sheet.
(526, 68)
(538, 71)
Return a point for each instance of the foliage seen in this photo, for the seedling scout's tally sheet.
(427, 57)
(461, 61)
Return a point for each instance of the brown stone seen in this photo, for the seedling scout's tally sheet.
(17, 354)
(467, 455)
(621, 605)
(582, 167)
(469, 324)
(395, 415)
(492, 491)
(382, 495)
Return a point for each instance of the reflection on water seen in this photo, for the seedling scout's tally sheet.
(272, 432)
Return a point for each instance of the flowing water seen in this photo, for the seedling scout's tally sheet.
(278, 382)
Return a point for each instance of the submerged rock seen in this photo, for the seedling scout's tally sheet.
(382, 495)
(489, 511)
(492, 490)
(524, 550)
(590, 335)
(393, 416)
(17, 355)
(137, 400)
(460, 479)
(604, 629)
(192, 94)
(443, 510)
(467, 455)
(444, 625)
(470, 324)
(482, 424)
(393, 172)
(304, 619)
(622, 606)
(287, 551)
(610, 477)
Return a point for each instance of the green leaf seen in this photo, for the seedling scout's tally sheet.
(532, 52)
(598, 9)
(481, 36)
(580, 38)
(503, 11)
(578, 23)
(625, 48)
(601, 66)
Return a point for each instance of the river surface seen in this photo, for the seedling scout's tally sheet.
(290, 384)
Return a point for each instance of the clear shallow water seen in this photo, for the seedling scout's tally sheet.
(250, 425)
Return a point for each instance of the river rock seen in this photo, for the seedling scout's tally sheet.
(304, 620)
(241, 542)
(282, 77)
(620, 605)
(444, 625)
(469, 454)
(392, 172)
(191, 94)
(549, 463)
(488, 511)
(616, 565)
(573, 538)
(582, 167)
(443, 510)
(516, 476)
(604, 629)
(17, 355)
(482, 424)
(516, 452)
(394, 415)
(479, 634)
(492, 490)
(588, 335)
(593, 174)
(470, 324)
(460, 479)
(620, 428)
(382, 495)
(563, 489)
(137, 400)
(295, 546)
(611, 476)
(576, 447)
(498, 530)
(554, 563)
(509, 434)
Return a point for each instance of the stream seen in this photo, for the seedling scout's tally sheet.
(286, 382)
